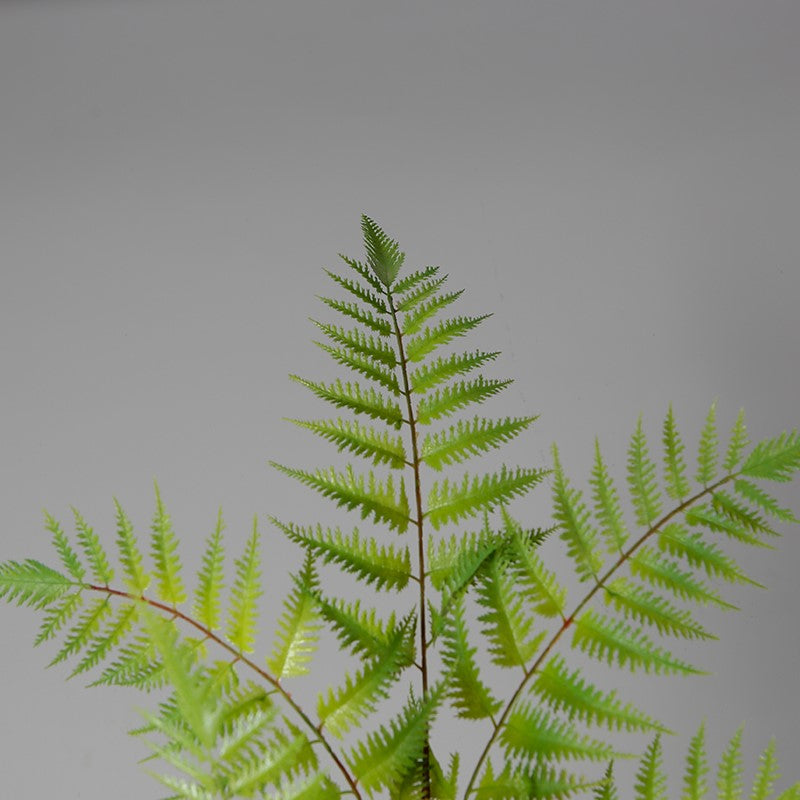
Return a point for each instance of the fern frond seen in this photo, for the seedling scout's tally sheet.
(95, 554)
(466, 439)
(444, 368)
(674, 466)
(469, 694)
(651, 782)
(696, 770)
(707, 454)
(164, 549)
(758, 497)
(245, 591)
(614, 641)
(699, 553)
(385, 566)
(362, 315)
(383, 252)
(373, 498)
(298, 630)
(450, 502)
(108, 639)
(57, 616)
(129, 555)
(210, 579)
(365, 272)
(431, 339)
(135, 666)
(360, 344)
(83, 631)
(69, 558)
(607, 789)
(32, 583)
(706, 517)
(729, 773)
(443, 402)
(422, 292)
(366, 296)
(415, 319)
(384, 377)
(724, 504)
(642, 479)
(738, 441)
(382, 448)
(454, 562)
(529, 783)
(533, 735)
(568, 692)
(573, 517)
(766, 774)
(268, 768)
(774, 459)
(606, 504)
(414, 279)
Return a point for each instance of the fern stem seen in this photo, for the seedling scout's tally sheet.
(423, 634)
(567, 621)
(238, 657)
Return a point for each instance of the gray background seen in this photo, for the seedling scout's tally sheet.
(616, 181)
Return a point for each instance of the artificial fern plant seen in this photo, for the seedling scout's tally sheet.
(470, 590)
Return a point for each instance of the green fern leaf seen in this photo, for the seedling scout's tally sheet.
(368, 368)
(642, 479)
(245, 592)
(450, 502)
(757, 496)
(415, 319)
(453, 563)
(69, 558)
(723, 503)
(384, 566)
(383, 253)
(422, 292)
(674, 466)
(530, 783)
(360, 344)
(572, 516)
(366, 272)
(432, 338)
(382, 448)
(774, 459)
(466, 439)
(135, 666)
(373, 498)
(767, 773)
(652, 609)
(165, 556)
(210, 580)
(607, 789)
(531, 734)
(32, 583)
(58, 616)
(694, 776)
(298, 627)
(606, 504)
(729, 772)
(707, 454)
(263, 769)
(444, 368)
(737, 443)
(414, 279)
(651, 783)
(443, 402)
(129, 555)
(567, 692)
(372, 299)
(706, 517)
(361, 315)
(95, 554)
(82, 632)
(110, 637)
(469, 694)
(614, 641)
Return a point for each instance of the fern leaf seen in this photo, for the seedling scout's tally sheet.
(109, 638)
(469, 694)
(567, 692)
(135, 666)
(82, 632)
(368, 368)
(422, 292)
(729, 773)
(245, 592)
(614, 641)
(757, 496)
(383, 253)
(450, 502)
(352, 396)
(724, 504)
(707, 455)
(432, 338)
(384, 566)
(210, 580)
(540, 782)
(373, 498)
(696, 770)
(699, 553)
(606, 504)
(531, 734)
(388, 753)
(360, 344)
(708, 518)
(382, 448)
(737, 443)
(165, 556)
(69, 558)
(652, 609)
(95, 554)
(774, 459)
(454, 562)
(58, 616)
(642, 479)
(415, 319)
(674, 466)
(366, 272)
(266, 768)
(767, 773)
(32, 583)
(651, 783)
(414, 279)
(443, 402)
(572, 516)
(298, 627)
(607, 789)
(466, 439)
(129, 554)
(444, 368)
(361, 315)
(367, 296)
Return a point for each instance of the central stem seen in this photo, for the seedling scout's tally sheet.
(415, 462)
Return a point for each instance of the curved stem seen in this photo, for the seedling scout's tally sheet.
(623, 558)
(240, 657)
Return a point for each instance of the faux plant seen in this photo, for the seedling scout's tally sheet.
(472, 594)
